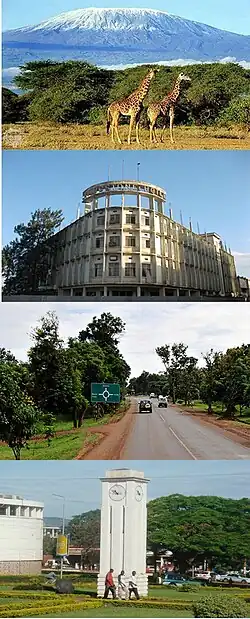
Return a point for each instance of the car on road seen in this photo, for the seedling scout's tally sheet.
(163, 403)
(172, 578)
(205, 575)
(235, 578)
(152, 395)
(145, 406)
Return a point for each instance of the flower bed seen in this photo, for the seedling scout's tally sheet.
(47, 609)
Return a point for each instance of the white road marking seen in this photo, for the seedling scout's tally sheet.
(179, 440)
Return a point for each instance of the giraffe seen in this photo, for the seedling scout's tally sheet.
(162, 107)
(129, 106)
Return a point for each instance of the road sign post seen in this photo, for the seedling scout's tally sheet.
(108, 393)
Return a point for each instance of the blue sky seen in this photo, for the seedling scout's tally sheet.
(79, 481)
(211, 187)
(225, 14)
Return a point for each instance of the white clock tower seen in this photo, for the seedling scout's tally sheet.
(124, 527)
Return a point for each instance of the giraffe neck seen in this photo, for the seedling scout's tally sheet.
(172, 96)
(144, 87)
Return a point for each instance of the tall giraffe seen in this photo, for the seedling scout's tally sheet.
(129, 106)
(163, 106)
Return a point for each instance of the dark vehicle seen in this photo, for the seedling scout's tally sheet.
(163, 403)
(145, 406)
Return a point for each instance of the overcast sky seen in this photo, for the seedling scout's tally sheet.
(80, 483)
(201, 326)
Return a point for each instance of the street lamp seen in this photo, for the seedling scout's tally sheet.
(60, 496)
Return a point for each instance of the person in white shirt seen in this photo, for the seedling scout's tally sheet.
(132, 587)
(122, 587)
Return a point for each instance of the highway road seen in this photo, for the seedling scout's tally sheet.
(169, 434)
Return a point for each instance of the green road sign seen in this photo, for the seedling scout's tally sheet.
(105, 392)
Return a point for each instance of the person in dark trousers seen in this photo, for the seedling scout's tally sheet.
(132, 587)
(109, 585)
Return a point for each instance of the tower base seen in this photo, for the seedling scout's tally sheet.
(142, 584)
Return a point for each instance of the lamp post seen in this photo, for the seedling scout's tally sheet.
(60, 496)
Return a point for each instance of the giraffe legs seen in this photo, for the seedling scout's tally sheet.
(115, 120)
(163, 129)
(171, 124)
(137, 128)
(131, 124)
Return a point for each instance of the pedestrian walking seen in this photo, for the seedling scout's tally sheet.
(132, 587)
(122, 587)
(109, 585)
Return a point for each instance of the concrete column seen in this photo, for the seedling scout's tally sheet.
(124, 527)
(138, 291)
(71, 292)
(105, 291)
(177, 292)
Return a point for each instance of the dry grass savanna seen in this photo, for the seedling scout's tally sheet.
(55, 136)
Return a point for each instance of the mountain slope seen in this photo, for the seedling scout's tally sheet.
(132, 30)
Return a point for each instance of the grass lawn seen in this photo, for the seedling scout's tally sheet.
(64, 447)
(217, 408)
(49, 136)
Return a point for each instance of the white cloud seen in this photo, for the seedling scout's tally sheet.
(199, 325)
(181, 62)
(242, 261)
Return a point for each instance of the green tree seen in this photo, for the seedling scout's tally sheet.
(9, 106)
(64, 91)
(198, 528)
(26, 259)
(209, 380)
(20, 419)
(84, 532)
(104, 331)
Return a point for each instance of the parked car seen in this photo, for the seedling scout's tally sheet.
(163, 403)
(145, 406)
(172, 578)
(205, 575)
(236, 578)
(152, 395)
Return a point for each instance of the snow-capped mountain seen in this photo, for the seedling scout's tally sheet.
(130, 29)
(120, 38)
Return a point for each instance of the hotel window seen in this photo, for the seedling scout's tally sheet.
(130, 241)
(100, 220)
(114, 218)
(114, 270)
(146, 243)
(13, 510)
(130, 269)
(99, 242)
(98, 269)
(146, 269)
(114, 241)
(130, 219)
(3, 510)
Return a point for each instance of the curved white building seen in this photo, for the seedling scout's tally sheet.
(21, 535)
(124, 244)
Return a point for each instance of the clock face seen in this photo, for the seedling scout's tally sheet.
(117, 492)
(138, 493)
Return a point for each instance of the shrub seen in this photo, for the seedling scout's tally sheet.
(220, 606)
(191, 587)
(238, 113)
(98, 115)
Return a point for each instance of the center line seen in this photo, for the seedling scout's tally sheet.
(179, 440)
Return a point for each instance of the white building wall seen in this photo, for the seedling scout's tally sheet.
(21, 536)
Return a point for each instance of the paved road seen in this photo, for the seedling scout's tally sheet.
(169, 434)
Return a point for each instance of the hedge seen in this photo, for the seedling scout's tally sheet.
(220, 606)
(41, 610)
